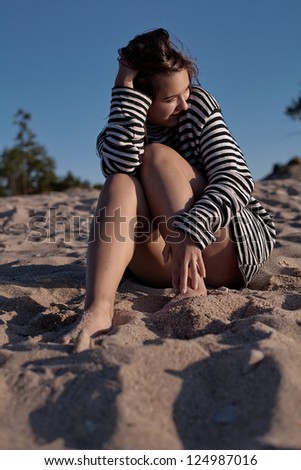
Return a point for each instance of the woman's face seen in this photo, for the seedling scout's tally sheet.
(171, 99)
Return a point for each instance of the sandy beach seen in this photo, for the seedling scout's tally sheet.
(215, 372)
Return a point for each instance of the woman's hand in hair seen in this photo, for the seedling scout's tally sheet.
(126, 75)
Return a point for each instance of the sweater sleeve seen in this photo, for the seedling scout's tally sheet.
(230, 183)
(121, 144)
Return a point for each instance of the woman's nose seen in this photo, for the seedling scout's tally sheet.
(182, 104)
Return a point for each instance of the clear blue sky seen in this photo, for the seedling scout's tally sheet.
(59, 59)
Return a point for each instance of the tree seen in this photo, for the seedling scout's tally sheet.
(294, 110)
(71, 181)
(26, 168)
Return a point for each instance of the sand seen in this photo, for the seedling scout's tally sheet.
(221, 372)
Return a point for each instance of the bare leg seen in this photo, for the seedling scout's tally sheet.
(171, 186)
(113, 240)
(110, 250)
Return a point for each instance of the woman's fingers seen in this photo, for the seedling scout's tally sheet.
(175, 273)
(125, 75)
(184, 277)
(166, 253)
(201, 266)
(187, 265)
(194, 274)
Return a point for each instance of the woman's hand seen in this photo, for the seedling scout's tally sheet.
(187, 264)
(126, 75)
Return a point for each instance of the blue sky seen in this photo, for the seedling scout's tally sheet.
(59, 60)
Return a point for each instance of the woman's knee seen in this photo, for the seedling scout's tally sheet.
(119, 180)
(157, 153)
(121, 183)
(159, 158)
(118, 188)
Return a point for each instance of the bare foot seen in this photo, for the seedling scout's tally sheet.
(88, 325)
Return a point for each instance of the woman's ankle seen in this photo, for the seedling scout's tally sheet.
(99, 306)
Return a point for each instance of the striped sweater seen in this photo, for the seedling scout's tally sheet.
(203, 139)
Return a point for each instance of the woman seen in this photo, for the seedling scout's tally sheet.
(176, 208)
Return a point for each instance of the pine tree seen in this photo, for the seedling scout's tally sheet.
(26, 168)
(294, 110)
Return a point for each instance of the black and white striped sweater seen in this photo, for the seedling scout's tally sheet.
(203, 139)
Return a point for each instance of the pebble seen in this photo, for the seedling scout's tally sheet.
(227, 414)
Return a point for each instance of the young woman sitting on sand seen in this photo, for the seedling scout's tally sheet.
(176, 208)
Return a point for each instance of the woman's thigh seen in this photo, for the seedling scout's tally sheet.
(163, 174)
(148, 265)
(221, 261)
(147, 262)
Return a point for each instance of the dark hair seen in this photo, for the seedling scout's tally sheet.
(153, 55)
